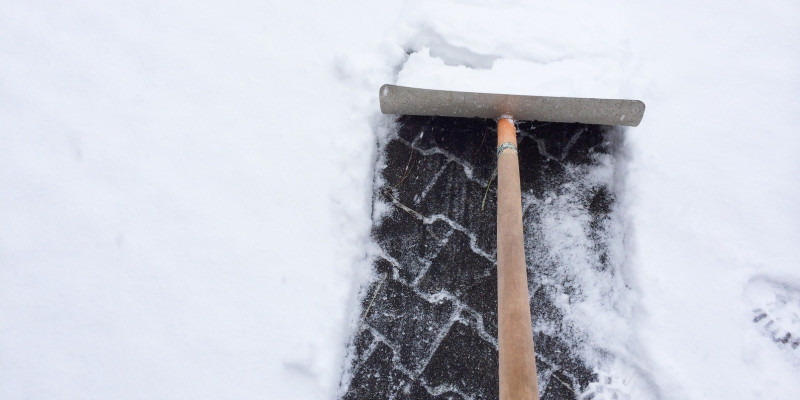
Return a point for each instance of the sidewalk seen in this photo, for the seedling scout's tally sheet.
(431, 326)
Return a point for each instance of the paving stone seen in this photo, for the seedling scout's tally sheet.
(600, 203)
(543, 368)
(460, 200)
(542, 308)
(599, 206)
(564, 358)
(443, 166)
(415, 391)
(456, 269)
(410, 127)
(410, 241)
(409, 321)
(470, 277)
(559, 388)
(571, 143)
(544, 149)
(482, 297)
(472, 141)
(533, 166)
(363, 343)
(466, 362)
(408, 173)
(375, 378)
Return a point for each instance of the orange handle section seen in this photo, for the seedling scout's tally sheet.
(515, 336)
(506, 132)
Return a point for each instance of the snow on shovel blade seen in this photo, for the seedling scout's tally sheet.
(413, 101)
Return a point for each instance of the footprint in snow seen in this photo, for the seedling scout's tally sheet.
(776, 310)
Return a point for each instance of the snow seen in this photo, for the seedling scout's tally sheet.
(185, 187)
(715, 179)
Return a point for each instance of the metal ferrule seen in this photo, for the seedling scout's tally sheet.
(505, 145)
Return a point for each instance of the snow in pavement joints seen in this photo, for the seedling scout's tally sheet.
(473, 239)
(394, 263)
(454, 316)
(426, 266)
(570, 386)
(442, 389)
(396, 363)
(436, 353)
(480, 327)
(526, 133)
(421, 196)
(450, 157)
(372, 345)
(437, 297)
(542, 149)
(571, 143)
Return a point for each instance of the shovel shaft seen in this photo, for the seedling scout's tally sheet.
(515, 337)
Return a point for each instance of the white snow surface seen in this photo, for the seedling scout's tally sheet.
(185, 187)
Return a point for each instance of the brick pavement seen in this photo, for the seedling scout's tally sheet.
(431, 327)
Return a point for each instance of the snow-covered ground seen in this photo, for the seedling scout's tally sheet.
(185, 187)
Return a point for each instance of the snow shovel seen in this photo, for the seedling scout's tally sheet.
(515, 336)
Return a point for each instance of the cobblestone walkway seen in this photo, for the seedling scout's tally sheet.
(430, 330)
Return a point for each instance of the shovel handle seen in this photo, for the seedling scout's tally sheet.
(515, 335)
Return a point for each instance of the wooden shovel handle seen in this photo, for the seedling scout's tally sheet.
(515, 337)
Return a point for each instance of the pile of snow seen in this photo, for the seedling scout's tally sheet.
(184, 197)
(185, 187)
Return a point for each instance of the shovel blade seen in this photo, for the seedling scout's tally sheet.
(413, 101)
